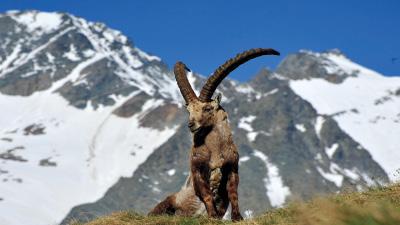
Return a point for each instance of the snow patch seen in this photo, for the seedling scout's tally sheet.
(9, 59)
(147, 56)
(88, 53)
(72, 54)
(39, 20)
(331, 176)
(244, 159)
(279, 76)
(150, 105)
(301, 127)
(171, 172)
(318, 157)
(245, 124)
(192, 81)
(245, 89)
(319, 122)
(132, 60)
(277, 192)
(251, 136)
(273, 91)
(248, 214)
(352, 174)
(260, 95)
(370, 181)
(50, 57)
(331, 150)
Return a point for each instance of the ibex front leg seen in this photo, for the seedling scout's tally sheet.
(202, 186)
(232, 186)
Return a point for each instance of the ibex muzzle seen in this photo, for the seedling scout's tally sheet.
(214, 169)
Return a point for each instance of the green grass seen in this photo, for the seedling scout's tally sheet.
(378, 206)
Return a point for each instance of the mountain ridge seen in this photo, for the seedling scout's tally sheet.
(81, 126)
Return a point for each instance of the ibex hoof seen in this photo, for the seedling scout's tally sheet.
(236, 217)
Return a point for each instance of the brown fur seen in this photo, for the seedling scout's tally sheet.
(214, 170)
(214, 167)
(183, 203)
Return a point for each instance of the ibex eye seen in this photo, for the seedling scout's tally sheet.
(208, 109)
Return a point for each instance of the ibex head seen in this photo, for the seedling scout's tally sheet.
(203, 110)
(203, 114)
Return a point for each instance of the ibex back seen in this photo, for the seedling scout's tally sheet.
(213, 180)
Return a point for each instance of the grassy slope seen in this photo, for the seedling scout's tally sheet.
(373, 207)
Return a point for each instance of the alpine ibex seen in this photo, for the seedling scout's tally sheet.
(213, 179)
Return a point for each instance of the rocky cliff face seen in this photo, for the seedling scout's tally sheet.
(94, 124)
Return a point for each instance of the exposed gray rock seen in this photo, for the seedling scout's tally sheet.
(34, 129)
(47, 162)
(12, 85)
(6, 139)
(132, 105)
(167, 115)
(10, 154)
(100, 83)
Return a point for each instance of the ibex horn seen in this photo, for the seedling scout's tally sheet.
(212, 83)
(183, 83)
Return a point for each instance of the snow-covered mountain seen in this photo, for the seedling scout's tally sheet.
(62, 80)
(365, 105)
(91, 124)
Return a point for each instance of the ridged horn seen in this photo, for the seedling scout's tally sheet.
(183, 83)
(214, 80)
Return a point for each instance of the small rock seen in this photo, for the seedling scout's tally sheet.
(47, 162)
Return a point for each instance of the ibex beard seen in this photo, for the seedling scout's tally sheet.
(214, 169)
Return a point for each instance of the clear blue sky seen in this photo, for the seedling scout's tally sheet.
(205, 33)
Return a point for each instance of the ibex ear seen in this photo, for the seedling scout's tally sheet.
(217, 98)
(187, 68)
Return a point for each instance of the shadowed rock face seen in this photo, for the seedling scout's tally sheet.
(170, 113)
(132, 106)
(100, 84)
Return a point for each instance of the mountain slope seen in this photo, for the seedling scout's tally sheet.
(367, 101)
(62, 88)
(93, 124)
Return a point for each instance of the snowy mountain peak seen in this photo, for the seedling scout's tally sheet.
(58, 52)
(335, 51)
(79, 99)
(331, 65)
